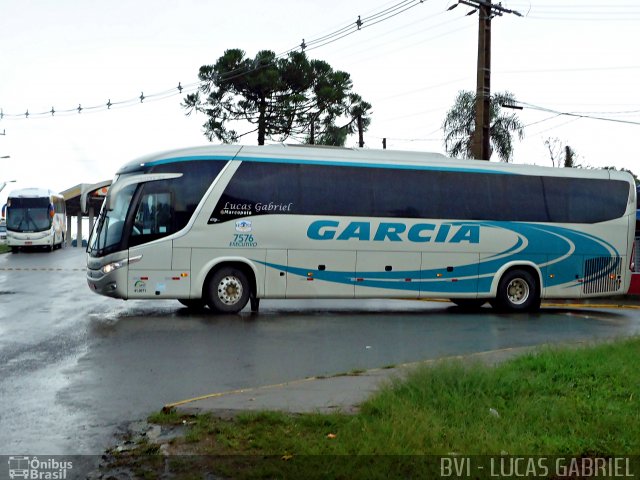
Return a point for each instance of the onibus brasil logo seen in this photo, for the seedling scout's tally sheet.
(34, 468)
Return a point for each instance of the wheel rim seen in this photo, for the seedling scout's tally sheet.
(230, 290)
(518, 291)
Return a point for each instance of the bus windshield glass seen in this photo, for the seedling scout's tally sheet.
(107, 235)
(28, 214)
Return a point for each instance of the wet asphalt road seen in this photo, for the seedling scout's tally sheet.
(74, 366)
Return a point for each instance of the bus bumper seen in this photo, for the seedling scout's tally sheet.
(113, 284)
(28, 241)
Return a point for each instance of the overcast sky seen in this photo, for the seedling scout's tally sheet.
(580, 56)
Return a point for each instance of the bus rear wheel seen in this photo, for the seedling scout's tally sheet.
(517, 292)
(228, 290)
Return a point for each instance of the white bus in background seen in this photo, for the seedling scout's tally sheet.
(3, 232)
(35, 217)
(223, 225)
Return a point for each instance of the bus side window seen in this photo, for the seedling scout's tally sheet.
(153, 218)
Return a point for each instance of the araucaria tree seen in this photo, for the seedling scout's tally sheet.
(281, 98)
(459, 125)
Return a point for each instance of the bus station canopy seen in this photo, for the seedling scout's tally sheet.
(80, 198)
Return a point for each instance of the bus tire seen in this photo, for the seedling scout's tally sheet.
(518, 291)
(227, 290)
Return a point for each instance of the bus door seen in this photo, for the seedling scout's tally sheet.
(152, 268)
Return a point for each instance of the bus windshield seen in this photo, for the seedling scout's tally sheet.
(28, 214)
(107, 235)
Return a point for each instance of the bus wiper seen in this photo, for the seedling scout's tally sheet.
(97, 227)
(103, 230)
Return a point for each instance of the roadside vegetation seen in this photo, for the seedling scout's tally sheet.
(572, 402)
(4, 249)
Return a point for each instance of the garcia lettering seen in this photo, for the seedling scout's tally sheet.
(394, 232)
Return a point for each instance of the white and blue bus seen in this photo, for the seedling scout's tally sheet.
(224, 225)
(35, 217)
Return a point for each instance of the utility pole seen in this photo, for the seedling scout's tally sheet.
(481, 138)
(481, 142)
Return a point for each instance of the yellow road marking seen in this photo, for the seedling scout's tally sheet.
(170, 406)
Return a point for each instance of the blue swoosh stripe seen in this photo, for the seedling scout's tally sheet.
(477, 277)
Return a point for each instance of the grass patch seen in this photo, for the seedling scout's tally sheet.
(169, 417)
(582, 402)
(4, 249)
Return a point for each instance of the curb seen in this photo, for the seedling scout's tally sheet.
(338, 393)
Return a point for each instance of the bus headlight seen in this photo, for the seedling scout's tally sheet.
(110, 267)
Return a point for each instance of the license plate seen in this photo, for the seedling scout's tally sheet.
(28, 243)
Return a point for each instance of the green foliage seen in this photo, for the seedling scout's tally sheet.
(459, 125)
(170, 417)
(569, 402)
(282, 97)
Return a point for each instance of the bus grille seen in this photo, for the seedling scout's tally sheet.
(602, 274)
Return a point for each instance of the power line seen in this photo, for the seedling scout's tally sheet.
(108, 105)
(572, 114)
(360, 24)
(541, 121)
(556, 126)
(429, 39)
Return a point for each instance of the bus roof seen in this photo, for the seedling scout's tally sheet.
(356, 157)
(32, 193)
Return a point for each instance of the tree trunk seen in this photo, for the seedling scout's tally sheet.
(262, 123)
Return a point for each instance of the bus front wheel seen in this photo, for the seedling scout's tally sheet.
(518, 291)
(228, 290)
